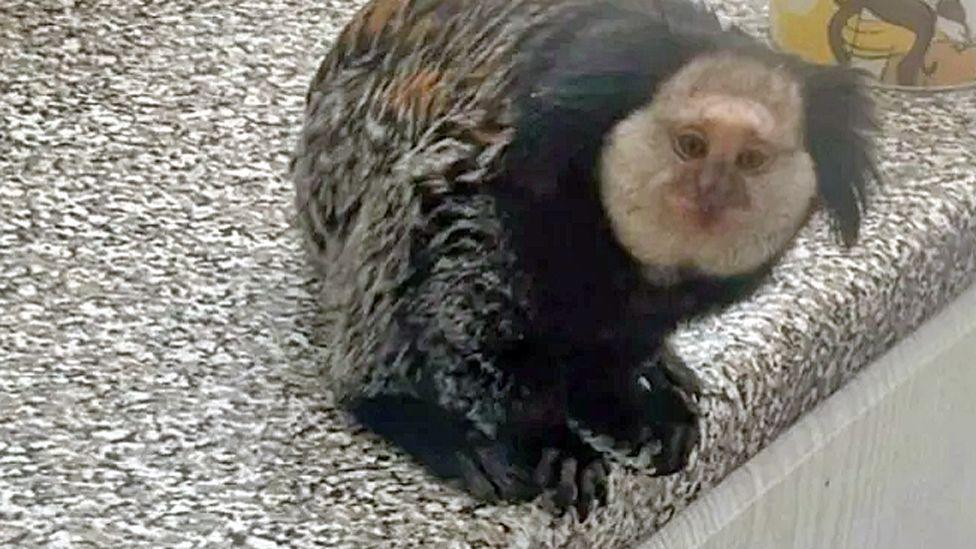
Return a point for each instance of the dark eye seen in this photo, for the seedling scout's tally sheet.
(691, 146)
(751, 160)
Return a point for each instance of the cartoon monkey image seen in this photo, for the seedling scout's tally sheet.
(921, 17)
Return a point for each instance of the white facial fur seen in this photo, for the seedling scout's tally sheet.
(639, 168)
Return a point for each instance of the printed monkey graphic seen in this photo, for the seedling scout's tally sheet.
(918, 16)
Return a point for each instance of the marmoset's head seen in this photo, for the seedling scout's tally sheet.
(713, 174)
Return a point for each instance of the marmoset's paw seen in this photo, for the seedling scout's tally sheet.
(495, 470)
(669, 392)
(646, 419)
(567, 472)
(573, 477)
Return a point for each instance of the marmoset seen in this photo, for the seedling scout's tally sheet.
(512, 203)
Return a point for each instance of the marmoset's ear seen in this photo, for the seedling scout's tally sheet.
(840, 134)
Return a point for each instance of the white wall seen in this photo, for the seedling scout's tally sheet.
(889, 462)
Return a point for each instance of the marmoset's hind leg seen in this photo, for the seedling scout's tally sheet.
(514, 465)
(446, 444)
(500, 436)
(476, 410)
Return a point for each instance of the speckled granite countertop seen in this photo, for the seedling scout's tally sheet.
(158, 380)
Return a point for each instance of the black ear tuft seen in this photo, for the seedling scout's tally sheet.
(840, 131)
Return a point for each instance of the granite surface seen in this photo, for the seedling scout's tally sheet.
(158, 358)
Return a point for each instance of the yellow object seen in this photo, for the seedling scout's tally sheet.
(871, 39)
(800, 27)
(884, 37)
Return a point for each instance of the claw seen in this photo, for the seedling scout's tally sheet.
(593, 489)
(507, 477)
(497, 470)
(475, 481)
(677, 373)
(680, 440)
(566, 493)
(543, 471)
(601, 484)
(572, 476)
(569, 472)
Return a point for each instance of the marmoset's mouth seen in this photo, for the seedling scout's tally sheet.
(705, 213)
